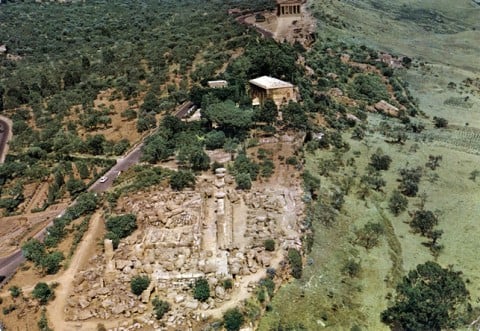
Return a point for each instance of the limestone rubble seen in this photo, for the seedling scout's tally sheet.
(214, 232)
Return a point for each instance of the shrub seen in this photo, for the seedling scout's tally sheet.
(369, 87)
(119, 227)
(43, 322)
(201, 289)
(182, 179)
(295, 260)
(15, 291)
(409, 181)
(227, 283)
(269, 245)
(291, 160)
(351, 268)
(423, 221)
(243, 164)
(43, 293)
(51, 262)
(215, 139)
(358, 133)
(33, 250)
(160, 307)
(233, 319)
(397, 203)
(138, 284)
(269, 284)
(379, 161)
(9, 309)
(433, 161)
(243, 181)
(440, 122)
(369, 235)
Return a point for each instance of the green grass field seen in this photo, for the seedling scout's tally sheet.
(441, 37)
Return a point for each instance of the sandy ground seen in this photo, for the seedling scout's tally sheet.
(84, 252)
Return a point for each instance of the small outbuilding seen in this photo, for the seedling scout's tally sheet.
(266, 87)
(217, 83)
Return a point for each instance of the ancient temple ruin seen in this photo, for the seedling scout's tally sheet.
(289, 7)
(265, 87)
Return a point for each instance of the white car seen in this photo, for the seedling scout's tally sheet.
(103, 179)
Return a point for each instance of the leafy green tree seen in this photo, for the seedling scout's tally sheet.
(43, 322)
(129, 114)
(194, 157)
(120, 226)
(15, 291)
(230, 146)
(82, 169)
(33, 250)
(380, 161)
(160, 307)
(156, 148)
(75, 186)
(294, 116)
(243, 164)
(201, 289)
(51, 262)
(214, 139)
(171, 125)
(181, 179)
(243, 181)
(440, 122)
(267, 112)
(138, 284)
(295, 260)
(229, 117)
(150, 103)
(429, 298)
(369, 235)
(146, 121)
(397, 203)
(121, 147)
(352, 268)
(423, 221)
(43, 293)
(409, 179)
(233, 319)
(369, 87)
(95, 144)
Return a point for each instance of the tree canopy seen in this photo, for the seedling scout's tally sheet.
(229, 117)
(428, 298)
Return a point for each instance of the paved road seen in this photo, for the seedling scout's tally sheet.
(9, 265)
(4, 136)
(132, 158)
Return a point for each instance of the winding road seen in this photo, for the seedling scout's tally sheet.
(5, 136)
(9, 264)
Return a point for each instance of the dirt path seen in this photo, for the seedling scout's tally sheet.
(242, 293)
(55, 309)
(38, 198)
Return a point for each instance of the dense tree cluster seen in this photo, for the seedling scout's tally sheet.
(429, 298)
(119, 227)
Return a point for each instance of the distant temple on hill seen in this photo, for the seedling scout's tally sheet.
(289, 7)
(265, 87)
